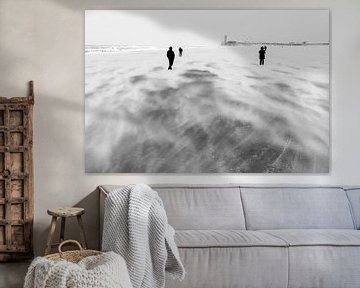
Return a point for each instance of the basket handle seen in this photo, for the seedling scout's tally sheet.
(69, 241)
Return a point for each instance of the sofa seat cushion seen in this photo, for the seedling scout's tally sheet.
(317, 237)
(225, 238)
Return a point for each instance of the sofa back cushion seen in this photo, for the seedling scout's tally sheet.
(296, 208)
(203, 208)
(354, 198)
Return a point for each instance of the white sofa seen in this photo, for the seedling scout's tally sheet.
(264, 237)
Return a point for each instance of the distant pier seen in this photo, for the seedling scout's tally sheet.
(227, 42)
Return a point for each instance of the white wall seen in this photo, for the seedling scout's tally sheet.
(43, 40)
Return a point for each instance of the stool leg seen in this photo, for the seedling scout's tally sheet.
(62, 231)
(82, 232)
(51, 235)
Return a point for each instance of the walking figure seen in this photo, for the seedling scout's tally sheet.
(180, 51)
(171, 57)
(262, 55)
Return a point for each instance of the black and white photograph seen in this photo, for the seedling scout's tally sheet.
(207, 91)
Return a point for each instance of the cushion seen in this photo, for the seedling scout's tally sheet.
(296, 208)
(192, 208)
(226, 238)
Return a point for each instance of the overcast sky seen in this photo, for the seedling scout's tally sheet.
(203, 27)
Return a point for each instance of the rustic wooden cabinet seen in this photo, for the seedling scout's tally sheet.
(16, 177)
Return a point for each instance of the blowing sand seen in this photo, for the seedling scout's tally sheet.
(216, 111)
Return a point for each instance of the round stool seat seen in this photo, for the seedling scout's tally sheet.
(66, 211)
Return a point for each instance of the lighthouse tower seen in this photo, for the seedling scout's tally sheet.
(225, 40)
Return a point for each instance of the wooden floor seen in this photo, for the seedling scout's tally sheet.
(12, 274)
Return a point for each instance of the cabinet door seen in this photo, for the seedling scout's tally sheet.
(16, 210)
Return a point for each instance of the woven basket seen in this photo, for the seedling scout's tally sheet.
(72, 256)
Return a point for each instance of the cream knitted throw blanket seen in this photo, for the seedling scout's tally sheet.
(136, 227)
(103, 271)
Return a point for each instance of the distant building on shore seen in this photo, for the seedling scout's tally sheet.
(226, 42)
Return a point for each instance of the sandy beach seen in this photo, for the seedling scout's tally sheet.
(217, 111)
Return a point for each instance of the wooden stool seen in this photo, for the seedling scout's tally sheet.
(64, 213)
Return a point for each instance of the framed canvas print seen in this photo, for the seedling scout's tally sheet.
(207, 91)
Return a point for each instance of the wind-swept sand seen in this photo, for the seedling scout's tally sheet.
(217, 111)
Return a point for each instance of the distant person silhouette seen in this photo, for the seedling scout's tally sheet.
(180, 51)
(262, 55)
(171, 57)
